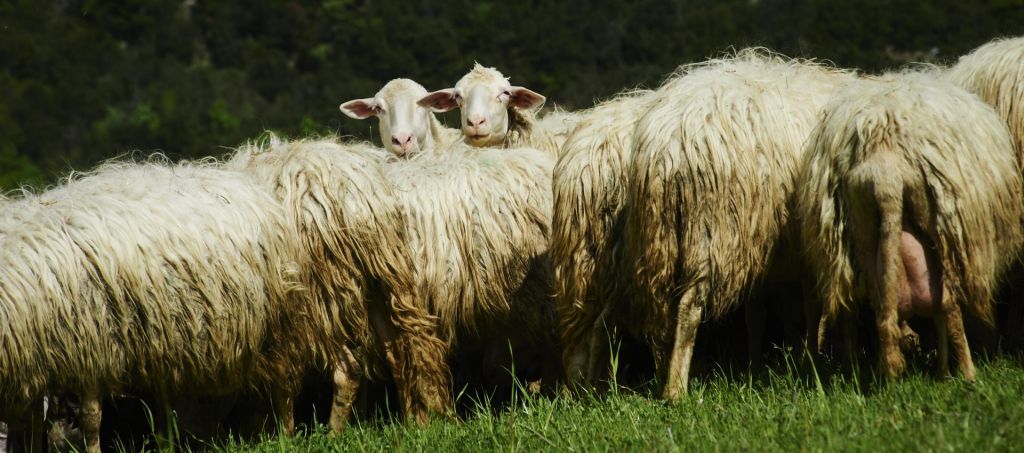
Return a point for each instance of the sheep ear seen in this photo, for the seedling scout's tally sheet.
(360, 109)
(439, 101)
(525, 99)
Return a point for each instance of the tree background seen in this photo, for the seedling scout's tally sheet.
(85, 80)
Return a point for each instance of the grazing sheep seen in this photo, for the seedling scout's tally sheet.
(714, 166)
(405, 127)
(367, 319)
(168, 278)
(478, 228)
(911, 198)
(494, 113)
(995, 72)
(589, 196)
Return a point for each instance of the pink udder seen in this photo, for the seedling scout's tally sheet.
(921, 288)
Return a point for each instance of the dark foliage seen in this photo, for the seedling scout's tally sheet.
(84, 80)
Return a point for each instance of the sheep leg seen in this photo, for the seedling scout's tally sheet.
(597, 357)
(957, 336)
(814, 334)
(284, 409)
(754, 315)
(909, 339)
(887, 284)
(583, 347)
(416, 359)
(90, 420)
(577, 363)
(687, 320)
(346, 386)
(599, 350)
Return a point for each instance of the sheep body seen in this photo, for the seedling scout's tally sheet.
(366, 319)
(909, 154)
(479, 223)
(995, 72)
(710, 188)
(559, 123)
(589, 197)
(141, 276)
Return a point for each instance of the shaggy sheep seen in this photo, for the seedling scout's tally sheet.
(171, 278)
(494, 113)
(911, 198)
(559, 124)
(995, 72)
(714, 166)
(405, 127)
(589, 195)
(478, 228)
(367, 320)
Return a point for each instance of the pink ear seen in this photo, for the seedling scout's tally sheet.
(440, 100)
(525, 99)
(360, 109)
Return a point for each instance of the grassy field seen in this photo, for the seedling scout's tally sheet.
(774, 412)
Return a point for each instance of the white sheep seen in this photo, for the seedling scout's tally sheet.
(478, 228)
(366, 316)
(715, 160)
(172, 278)
(589, 189)
(995, 72)
(910, 202)
(493, 112)
(405, 127)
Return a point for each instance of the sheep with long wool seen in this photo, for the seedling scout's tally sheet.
(709, 194)
(589, 189)
(478, 227)
(168, 278)
(910, 202)
(367, 318)
(559, 124)
(995, 72)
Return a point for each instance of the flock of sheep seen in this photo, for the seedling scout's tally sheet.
(521, 236)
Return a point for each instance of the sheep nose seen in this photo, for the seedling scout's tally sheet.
(403, 141)
(476, 121)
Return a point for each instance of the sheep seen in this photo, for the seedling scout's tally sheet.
(995, 72)
(368, 317)
(493, 112)
(710, 186)
(559, 123)
(589, 196)
(405, 127)
(910, 198)
(478, 227)
(171, 278)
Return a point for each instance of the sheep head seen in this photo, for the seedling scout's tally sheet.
(404, 125)
(484, 97)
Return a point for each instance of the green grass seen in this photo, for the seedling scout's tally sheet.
(778, 412)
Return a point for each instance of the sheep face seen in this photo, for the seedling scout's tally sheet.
(404, 125)
(483, 96)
